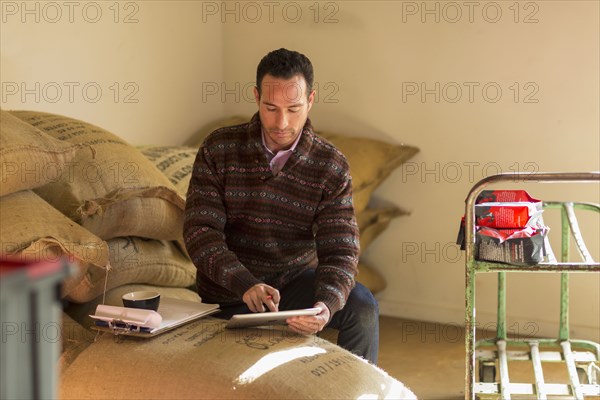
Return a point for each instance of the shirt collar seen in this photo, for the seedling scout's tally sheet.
(292, 148)
(304, 142)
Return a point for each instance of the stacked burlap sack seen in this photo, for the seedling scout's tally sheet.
(73, 189)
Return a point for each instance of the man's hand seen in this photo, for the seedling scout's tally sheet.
(309, 324)
(260, 295)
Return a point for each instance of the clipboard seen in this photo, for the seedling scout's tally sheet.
(171, 314)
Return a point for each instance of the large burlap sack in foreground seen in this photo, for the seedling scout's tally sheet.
(137, 260)
(29, 157)
(81, 312)
(32, 229)
(117, 193)
(203, 360)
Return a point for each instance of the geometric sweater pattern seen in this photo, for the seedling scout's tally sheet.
(244, 225)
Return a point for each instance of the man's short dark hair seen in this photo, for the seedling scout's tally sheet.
(285, 64)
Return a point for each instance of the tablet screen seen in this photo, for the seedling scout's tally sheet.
(267, 318)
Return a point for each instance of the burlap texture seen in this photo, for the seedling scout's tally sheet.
(373, 221)
(29, 157)
(117, 193)
(371, 162)
(370, 278)
(203, 360)
(75, 338)
(32, 229)
(175, 162)
(137, 260)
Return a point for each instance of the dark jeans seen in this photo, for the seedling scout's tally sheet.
(357, 322)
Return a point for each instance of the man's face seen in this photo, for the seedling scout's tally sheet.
(283, 108)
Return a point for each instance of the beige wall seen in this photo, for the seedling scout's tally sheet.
(191, 66)
(137, 77)
(363, 62)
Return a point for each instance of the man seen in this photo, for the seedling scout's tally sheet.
(269, 219)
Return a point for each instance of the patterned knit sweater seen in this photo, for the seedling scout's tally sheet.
(243, 225)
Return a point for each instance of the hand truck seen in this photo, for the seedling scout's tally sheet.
(582, 366)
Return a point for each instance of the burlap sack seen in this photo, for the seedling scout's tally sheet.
(81, 312)
(75, 338)
(176, 163)
(33, 230)
(373, 221)
(371, 162)
(203, 360)
(119, 193)
(28, 157)
(370, 278)
(137, 260)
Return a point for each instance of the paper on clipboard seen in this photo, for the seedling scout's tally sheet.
(173, 313)
(131, 316)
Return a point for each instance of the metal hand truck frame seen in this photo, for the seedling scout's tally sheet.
(580, 365)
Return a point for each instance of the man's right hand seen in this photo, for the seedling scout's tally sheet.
(260, 295)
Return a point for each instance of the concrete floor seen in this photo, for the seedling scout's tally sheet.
(429, 358)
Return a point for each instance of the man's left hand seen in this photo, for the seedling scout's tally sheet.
(309, 324)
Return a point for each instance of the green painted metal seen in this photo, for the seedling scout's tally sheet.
(486, 266)
(472, 267)
(501, 327)
(563, 331)
(470, 333)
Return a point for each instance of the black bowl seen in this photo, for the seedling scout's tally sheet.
(144, 299)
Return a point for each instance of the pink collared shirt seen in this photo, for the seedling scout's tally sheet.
(277, 161)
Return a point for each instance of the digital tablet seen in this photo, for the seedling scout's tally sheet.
(267, 318)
